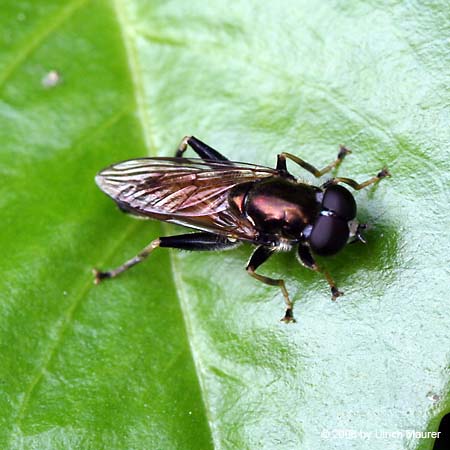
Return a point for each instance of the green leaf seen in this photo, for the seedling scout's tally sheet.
(186, 351)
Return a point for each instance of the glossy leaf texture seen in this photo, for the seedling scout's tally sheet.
(187, 351)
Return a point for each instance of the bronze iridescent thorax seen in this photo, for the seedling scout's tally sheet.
(277, 206)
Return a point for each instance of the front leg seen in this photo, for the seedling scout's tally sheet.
(358, 186)
(282, 168)
(260, 256)
(306, 259)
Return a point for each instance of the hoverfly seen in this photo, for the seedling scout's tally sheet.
(232, 202)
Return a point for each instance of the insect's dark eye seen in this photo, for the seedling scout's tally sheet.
(329, 235)
(339, 200)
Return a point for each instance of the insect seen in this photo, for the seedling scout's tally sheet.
(232, 202)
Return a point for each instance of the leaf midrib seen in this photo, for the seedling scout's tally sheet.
(31, 43)
(144, 118)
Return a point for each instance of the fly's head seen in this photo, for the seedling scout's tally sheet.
(335, 225)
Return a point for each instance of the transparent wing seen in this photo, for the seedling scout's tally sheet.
(191, 192)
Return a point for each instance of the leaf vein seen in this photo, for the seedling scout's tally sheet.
(103, 126)
(136, 74)
(64, 323)
(38, 36)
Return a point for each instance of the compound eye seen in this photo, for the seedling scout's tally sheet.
(329, 235)
(339, 200)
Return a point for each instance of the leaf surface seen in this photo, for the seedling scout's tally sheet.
(186, 351)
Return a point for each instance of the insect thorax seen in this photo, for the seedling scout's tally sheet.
(276, 206)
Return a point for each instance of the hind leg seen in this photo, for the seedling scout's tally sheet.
(192, 241)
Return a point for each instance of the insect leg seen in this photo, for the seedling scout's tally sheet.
(357, 186)
(281, 162)
(199, 242)
(306, 259)
(259, 256)
(99, 276)
(192, 241)
(199, 147)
